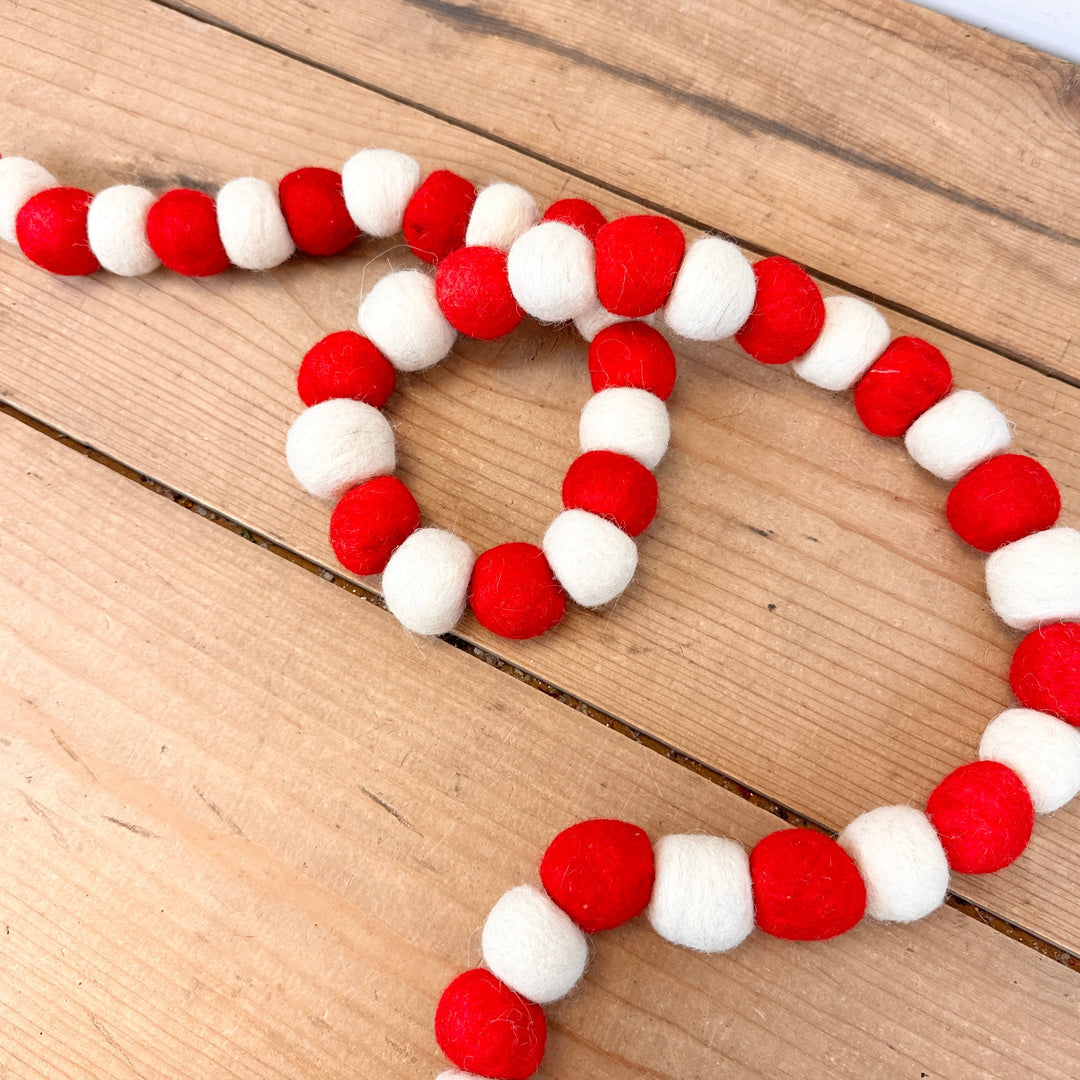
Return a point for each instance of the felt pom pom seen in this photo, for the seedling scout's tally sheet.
(486, 1028)
(806, 887)
(1042, 750)
(51, 228)
(637, 259)
(116, 229)
(582, 215)
(984, 816)
(901, 862)
(599, 872)
(251, 224)
(956, 434)
(627, 421)
(552, 272)
(853, 337)
(702, 898)
(513, 592)
(1036, 579)
(377, 185)
(20, 180)
(426, 581)
(345, 365)
(182, 229)
(437, 216)
(474, 293)
(501, 213)
(632, 354)
(908, 377)
(593, 559)
(1002, 500)
(599, 318)
(713, 293)
(339, 443)
(314, 207)
(533, 946)
(788, 312)
(613, 486)
(1045, 672)
(371, 522)
(401, 316)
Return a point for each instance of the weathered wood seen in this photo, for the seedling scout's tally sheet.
(248, 834)
(877, 668)
(882, 144)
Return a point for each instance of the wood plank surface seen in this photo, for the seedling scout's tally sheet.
(247, 834)
(877, 666)
(884, 145)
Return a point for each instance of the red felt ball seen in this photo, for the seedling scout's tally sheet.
(513, 592)
(486, 1028)
(345, 365)
(983, 816)
(788, 312)
(1045, 672)
(613, 486)
(582, 215)
(599, 872)
(632, 354)
(315, 212)
(1001, 500)
(51, 230)
(183, 233)
(438, 215)
(908, 377)
(806, 887)
(637, 259)
(474, 293)
(370, 522)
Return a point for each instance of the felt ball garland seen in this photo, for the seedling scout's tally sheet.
(496, 260)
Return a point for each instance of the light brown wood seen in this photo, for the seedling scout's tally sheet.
(247, 834)
(887, 146)
(879, 665)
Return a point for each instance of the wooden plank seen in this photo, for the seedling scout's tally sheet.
(884, 145)
(247, 834)
(879, 665)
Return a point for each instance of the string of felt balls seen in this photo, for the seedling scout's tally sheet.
(497, 258)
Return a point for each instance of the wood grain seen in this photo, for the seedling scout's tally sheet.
(884, 145)
(877, 664)
(247, 834)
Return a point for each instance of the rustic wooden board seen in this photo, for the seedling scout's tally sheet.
(247, 834)
(879, 664)
(884, 145)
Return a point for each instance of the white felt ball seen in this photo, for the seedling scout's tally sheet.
(251, 224)
(1042, 750)
(703, 897)
(533, 945)
(713, 293)
(426, 581)
(598, 318)
(853, 337)
(377, 185)
(901, 861)
(628, 421)
(116, 229)
(501, 213)
(457, 1074)
(402, 317)
(1037, 579)
(593, 559)
(552, 272)
(20, 180)
(956, 434)
(338, 444)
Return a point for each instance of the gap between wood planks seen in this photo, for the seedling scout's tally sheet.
(657, 746)
(904, 310)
